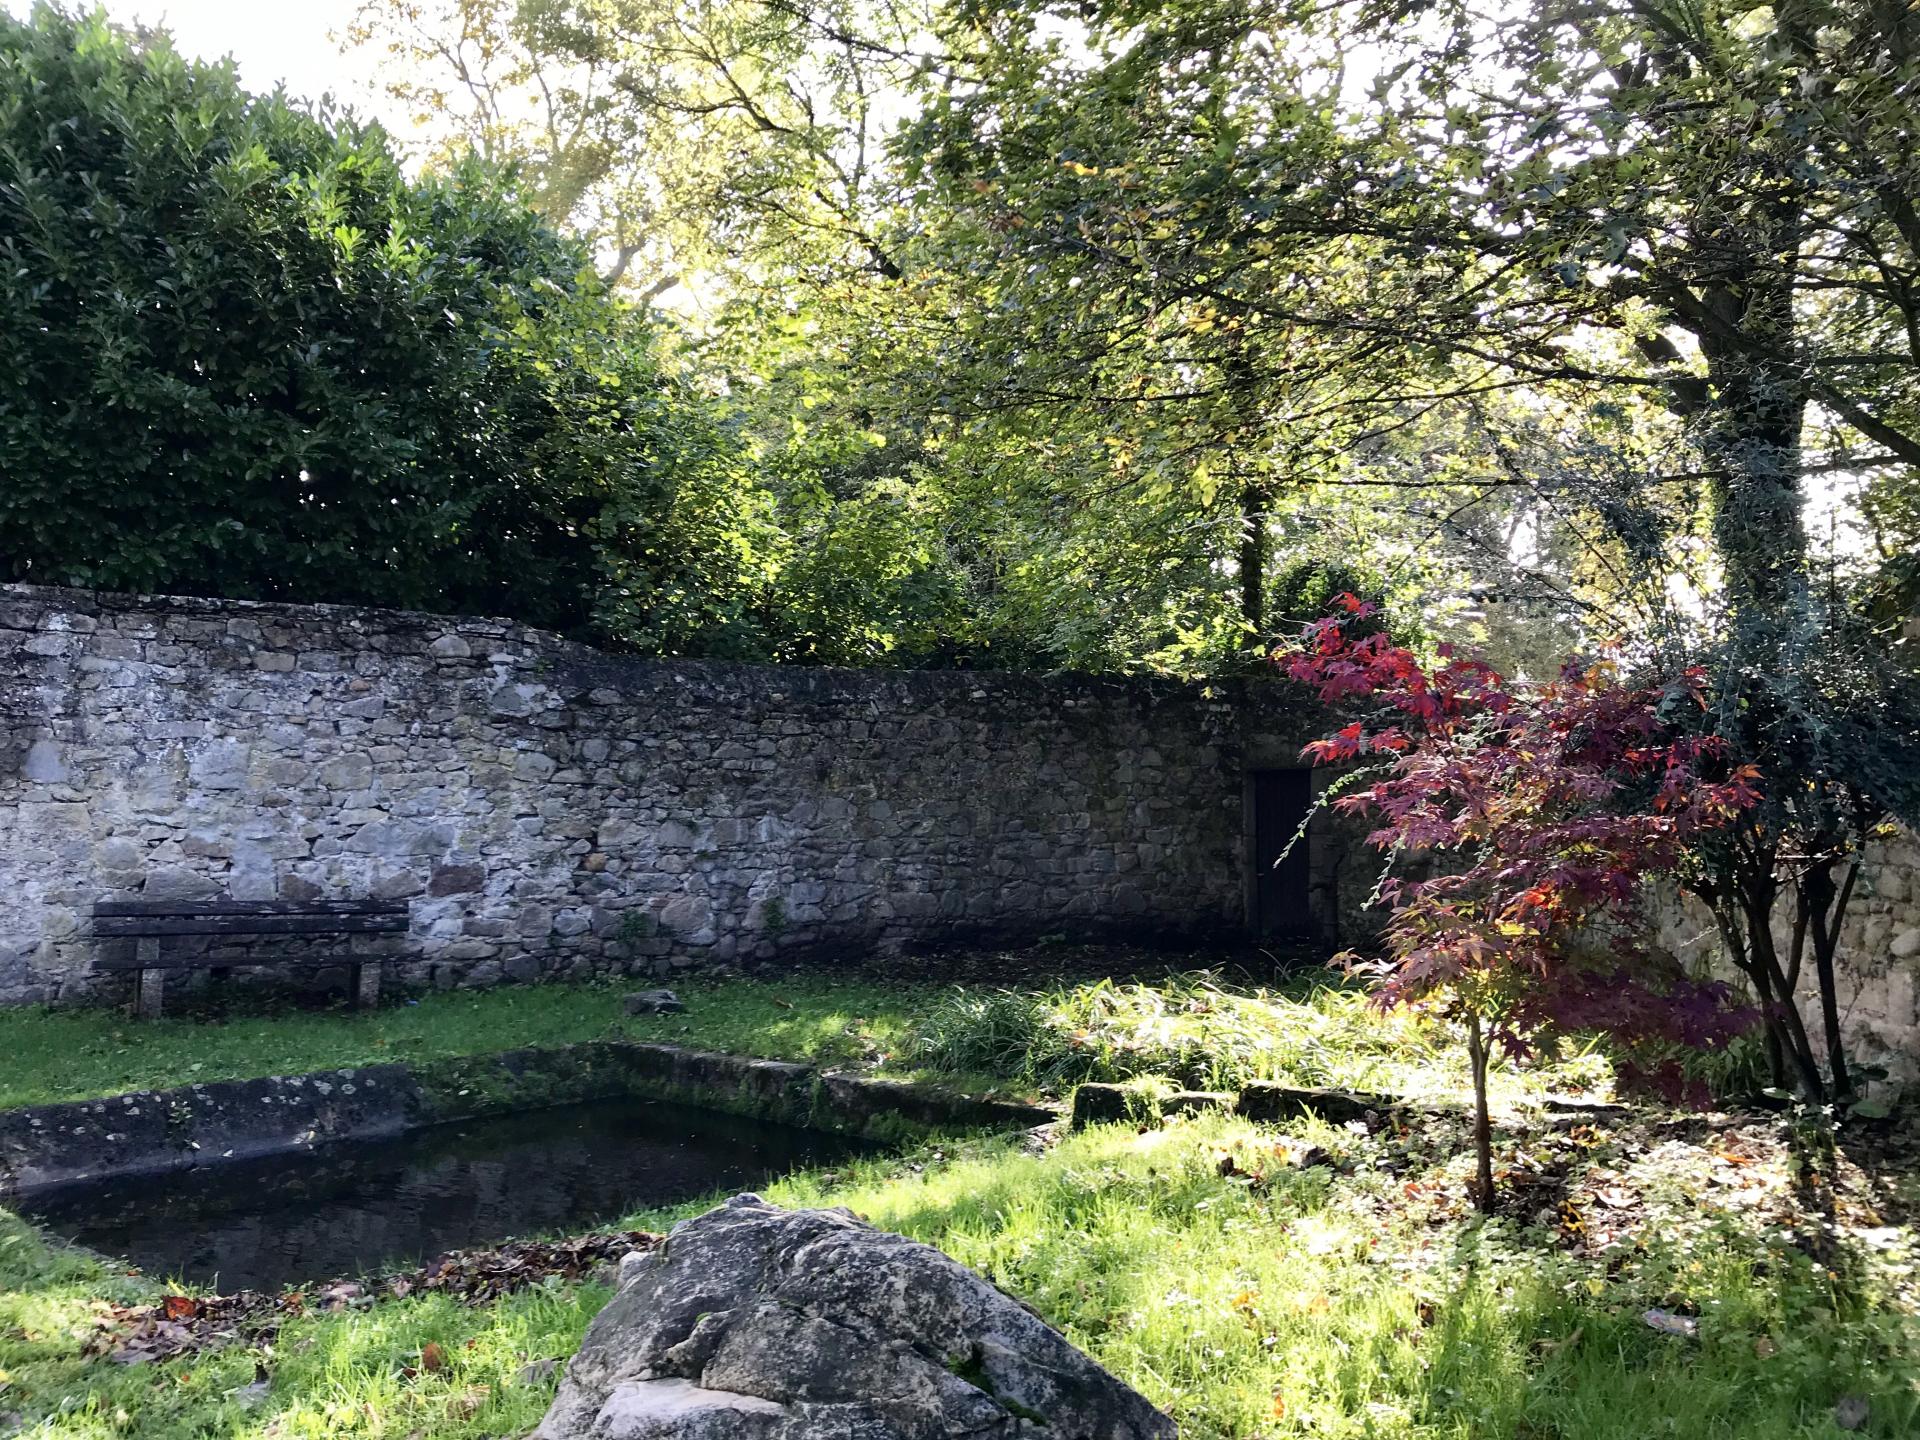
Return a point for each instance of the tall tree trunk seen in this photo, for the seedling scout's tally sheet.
(1752, 436)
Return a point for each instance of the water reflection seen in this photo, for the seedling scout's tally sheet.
(353, 1208)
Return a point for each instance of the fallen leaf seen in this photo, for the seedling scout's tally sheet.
(432, 1358)
(1668, 1323)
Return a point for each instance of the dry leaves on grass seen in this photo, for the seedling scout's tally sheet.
(178, 1324)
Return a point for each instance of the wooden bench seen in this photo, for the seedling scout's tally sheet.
(152, 924)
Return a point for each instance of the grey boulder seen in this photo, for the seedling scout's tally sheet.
(654, 1002)
(755, 1323)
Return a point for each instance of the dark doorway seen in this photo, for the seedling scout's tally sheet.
(1281, 799)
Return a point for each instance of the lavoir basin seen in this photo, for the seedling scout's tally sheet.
(355, 1208)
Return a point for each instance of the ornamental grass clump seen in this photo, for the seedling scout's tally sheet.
(1196, 1030)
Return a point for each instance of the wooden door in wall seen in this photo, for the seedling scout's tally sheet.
(1279, 886)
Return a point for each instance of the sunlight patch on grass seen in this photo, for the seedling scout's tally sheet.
(1254, 1300)
(1200, 1032)
(79, 1054)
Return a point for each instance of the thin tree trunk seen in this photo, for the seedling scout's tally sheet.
(1826, 906)
(1482, 1120)
(1739, 952)
(1793, 1029)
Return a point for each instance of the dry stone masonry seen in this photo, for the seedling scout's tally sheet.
(547, 809)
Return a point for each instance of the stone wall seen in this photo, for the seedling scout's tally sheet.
(545, 808)
(1878, 958)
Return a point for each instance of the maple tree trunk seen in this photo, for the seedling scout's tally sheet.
(1737, 947)
(1482, 1121)
(1785, 1015)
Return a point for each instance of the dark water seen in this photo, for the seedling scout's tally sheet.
(353, 1208)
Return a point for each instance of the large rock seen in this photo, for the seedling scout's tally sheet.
(653, 1002)
(757, 1323)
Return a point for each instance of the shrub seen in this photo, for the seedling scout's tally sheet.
(1547, 807)
(245, 355)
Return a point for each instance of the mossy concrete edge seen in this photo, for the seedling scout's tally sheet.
(150, 1132)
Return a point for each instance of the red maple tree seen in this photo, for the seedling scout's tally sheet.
(1522, 821)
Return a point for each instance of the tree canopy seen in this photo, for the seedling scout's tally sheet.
(1032, 334)
(247, 355)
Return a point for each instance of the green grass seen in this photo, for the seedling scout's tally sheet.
(1310, 1304)
(1191, 1029)
(1362, 1302)
(80, 1054)
(1315, 1305)
(342, 1374)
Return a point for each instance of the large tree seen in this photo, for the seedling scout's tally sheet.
(1694, 214)
(1699, 203)
(729, 144)
(246, 355)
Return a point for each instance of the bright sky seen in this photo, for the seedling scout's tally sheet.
(271, 40)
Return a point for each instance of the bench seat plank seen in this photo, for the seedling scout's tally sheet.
(150, 922)
(249, 907)
(288, 923)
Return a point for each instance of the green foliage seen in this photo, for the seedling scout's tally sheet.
(248, 357)
(1201, 1032)
(947, 468)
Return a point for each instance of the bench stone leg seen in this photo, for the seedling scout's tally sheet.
(153, 981)
(366, 985)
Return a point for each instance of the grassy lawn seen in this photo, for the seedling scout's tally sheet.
(1251, 1299)
(1193, 1032)
(79, 1054)
(1257, 1282)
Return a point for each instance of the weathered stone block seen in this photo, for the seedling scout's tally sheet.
(457, 879)
(533, 766)
(352, 771)
(44, 763)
